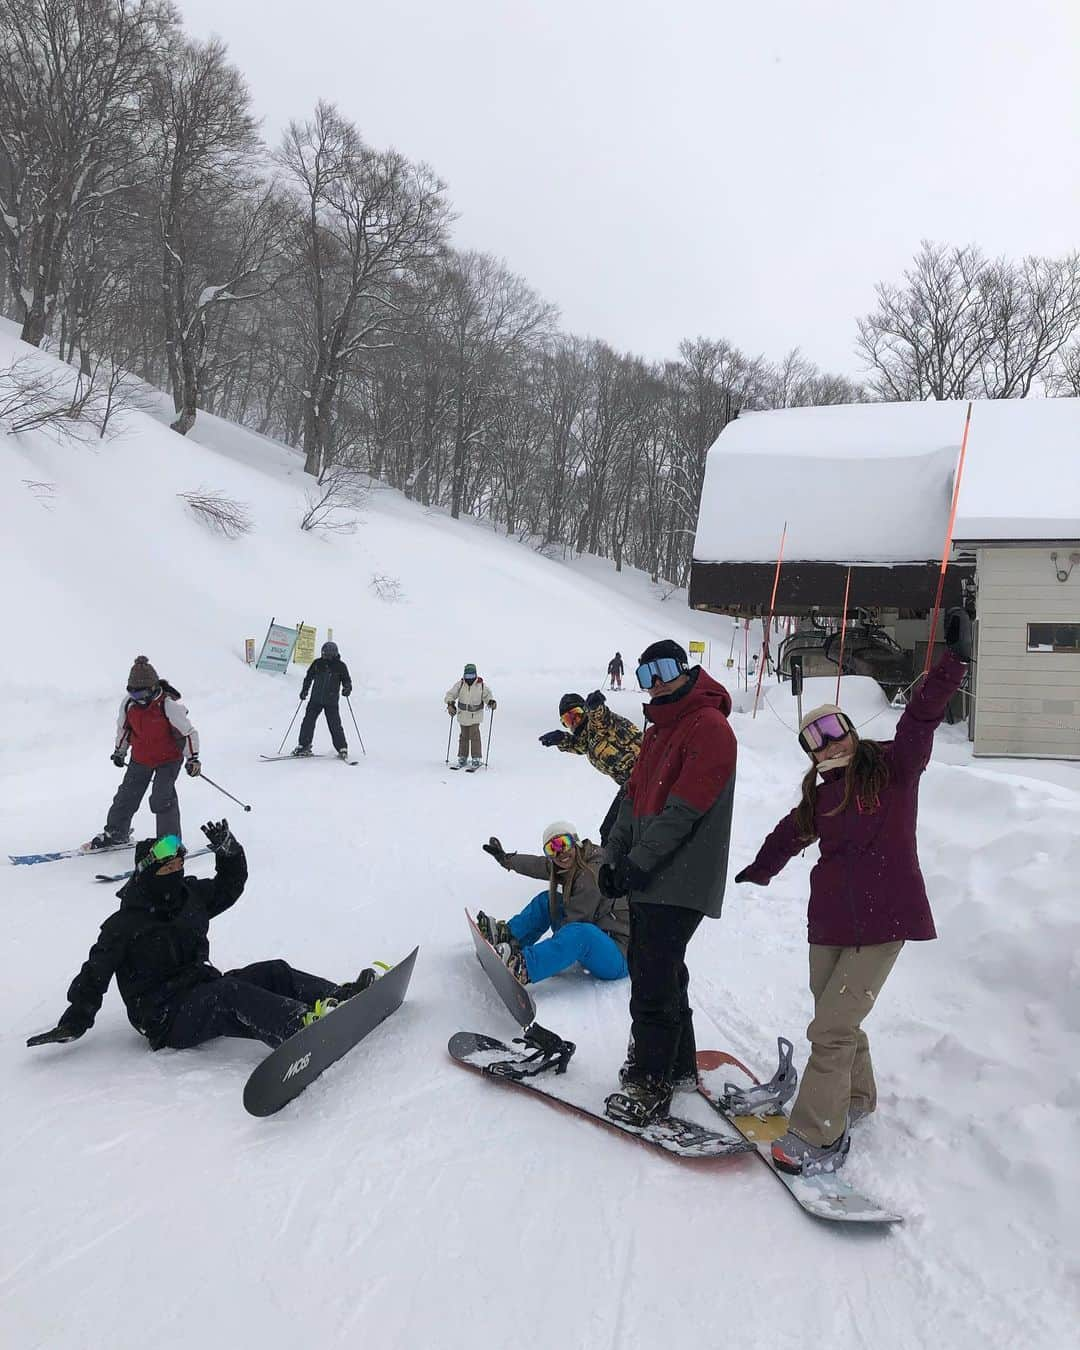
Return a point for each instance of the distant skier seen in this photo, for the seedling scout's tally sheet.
(615, 671)
(668, 850)
(157, 946)
(326, 680)
(612, 743)
(867, 895)
(586, 926)
(466, 700)
(154, 724)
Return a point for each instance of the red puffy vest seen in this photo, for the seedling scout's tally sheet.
(154, 740)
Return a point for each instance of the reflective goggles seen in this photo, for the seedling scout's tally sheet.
(164, 849)
(831, 727)
(140, 695)
(559, 843)
(665, 668)
(572, 718)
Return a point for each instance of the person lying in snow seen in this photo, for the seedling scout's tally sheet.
(611, 743)
(867, 896)
(585, 926)
(157, 946)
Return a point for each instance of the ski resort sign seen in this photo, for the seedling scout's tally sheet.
(277, 648)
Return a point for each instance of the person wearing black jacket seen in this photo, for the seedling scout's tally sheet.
(157, 945)
(327, 678)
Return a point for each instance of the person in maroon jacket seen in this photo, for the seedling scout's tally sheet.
(668, 853)
(867, 896)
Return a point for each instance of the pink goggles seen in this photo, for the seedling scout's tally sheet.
(830, 727)
(558, 843)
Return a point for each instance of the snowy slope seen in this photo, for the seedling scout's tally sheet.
(402, 1201)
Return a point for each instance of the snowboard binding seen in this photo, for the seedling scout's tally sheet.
(548, 1052)
(764, 1099)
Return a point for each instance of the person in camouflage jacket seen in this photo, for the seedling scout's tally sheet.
(610, 742)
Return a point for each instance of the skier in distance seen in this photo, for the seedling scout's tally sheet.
(615, 671)
(326, 680)
(466, 700)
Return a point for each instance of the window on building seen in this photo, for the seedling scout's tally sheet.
(1053, 637)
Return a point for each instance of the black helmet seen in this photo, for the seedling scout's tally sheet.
(330, 651)
(569, 701)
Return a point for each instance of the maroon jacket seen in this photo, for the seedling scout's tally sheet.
(675, 820)
(867, 888)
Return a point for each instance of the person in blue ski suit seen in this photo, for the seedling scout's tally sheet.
(585, 926)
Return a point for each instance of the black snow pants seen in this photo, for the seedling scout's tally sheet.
(333, 721)
(612, 816)
(662, 1025)
(263, 1002)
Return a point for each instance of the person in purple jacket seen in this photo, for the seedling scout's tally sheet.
(867, 896)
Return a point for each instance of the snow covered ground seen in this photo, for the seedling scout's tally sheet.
(402, 1201)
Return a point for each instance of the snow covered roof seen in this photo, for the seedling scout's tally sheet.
(872, 482)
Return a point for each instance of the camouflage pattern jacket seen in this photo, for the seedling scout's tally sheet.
(611, 742)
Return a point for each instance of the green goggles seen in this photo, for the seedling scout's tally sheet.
(167, 847)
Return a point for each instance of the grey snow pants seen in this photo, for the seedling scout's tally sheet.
(163, 799)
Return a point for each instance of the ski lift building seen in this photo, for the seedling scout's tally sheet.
(869, 486)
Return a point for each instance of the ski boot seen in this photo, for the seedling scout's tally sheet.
(509, 953)
(642, 1100)
(462, 760)
(791, 1153)
(494, 930)
(351, 988)
(476, 764)
(322, 1007)
(343, 754)
(106, 839)
(302, 752)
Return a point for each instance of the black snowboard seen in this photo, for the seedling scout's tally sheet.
(517, 998)
(288, 1070)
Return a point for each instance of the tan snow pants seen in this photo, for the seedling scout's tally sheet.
(469, 742)
(845, 982)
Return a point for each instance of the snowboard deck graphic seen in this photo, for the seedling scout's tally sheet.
(293, 1066)
(518, 1000)
(29, 859)
(123, 876)
(681, 1138)
(826, 1195)
(274, 759)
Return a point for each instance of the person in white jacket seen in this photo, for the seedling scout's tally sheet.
(466, 700)
(154, 724)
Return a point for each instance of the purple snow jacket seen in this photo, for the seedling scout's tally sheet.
(867, 888)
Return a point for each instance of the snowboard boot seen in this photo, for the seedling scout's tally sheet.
(343, 754)
(323, 1007)
(791, 1153)
(351, 988)
(643, 1099)
(302, 752)
(509, 953)
(107, 839)
(494, 930)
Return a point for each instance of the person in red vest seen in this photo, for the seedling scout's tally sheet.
(155, 725)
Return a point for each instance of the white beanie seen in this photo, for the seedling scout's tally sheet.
(560, 827)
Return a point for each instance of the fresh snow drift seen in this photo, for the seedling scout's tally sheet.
(399, 1198)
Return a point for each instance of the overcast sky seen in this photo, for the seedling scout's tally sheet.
(726, 168)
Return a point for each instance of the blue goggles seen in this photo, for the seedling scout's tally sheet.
(665, 668)
(140, 695)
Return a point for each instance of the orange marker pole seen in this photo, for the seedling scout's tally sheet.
(843, 635)
(948, 544)
(768, 626)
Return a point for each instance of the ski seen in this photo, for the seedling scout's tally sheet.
(294, 1066)
(519, 1067)
(518, 1000)
(123, 876)
(29, 859)
(826, 1195)
(273, 759)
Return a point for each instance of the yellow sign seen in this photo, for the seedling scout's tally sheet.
(249, 651)
(304, 652)
(697, 649)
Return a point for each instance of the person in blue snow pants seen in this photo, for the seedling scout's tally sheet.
(586, 927)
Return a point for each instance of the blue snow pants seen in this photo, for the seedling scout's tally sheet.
(570, 942)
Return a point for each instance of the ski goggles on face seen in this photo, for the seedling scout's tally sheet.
(140, 695)
(558, 843)
(664, 668)
(572, 718)
(166, 848)
(831, 727)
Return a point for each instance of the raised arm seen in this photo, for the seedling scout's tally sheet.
(914, 739)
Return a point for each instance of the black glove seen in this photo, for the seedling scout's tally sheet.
(742, 876)
(451, 708)
(193, 767)
(622, 878)
(605, 879)
(495, 849)
(220, 838)
(69, 1028)
(303, 695)
(492, 704)
(958, 635)
(550, 738)
(347, 692)
(595, 700)
(119, 759)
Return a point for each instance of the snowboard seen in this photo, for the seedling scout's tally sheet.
(123, 876)
(826, 1195)
(293, 1066)
(518, 1000)
(682, 1138)
(274, 759)
(29, 859)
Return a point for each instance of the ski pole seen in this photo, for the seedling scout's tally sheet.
(358, 736)
(491, 728)
(222, 791)
(449, 738)
(289, 728)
